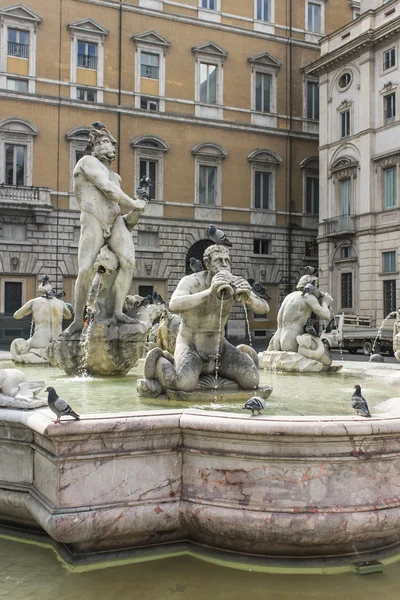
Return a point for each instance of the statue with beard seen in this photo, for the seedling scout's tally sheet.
(98, 193)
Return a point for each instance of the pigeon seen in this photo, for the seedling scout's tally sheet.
(157, 299)
(359, 403)
(196, 265)
(253, 404)
(259, 289)
(59, 406)
(98, 125)
(218, 236)
(45, 279)
(310, 329)
(309, 288)
(145, 182)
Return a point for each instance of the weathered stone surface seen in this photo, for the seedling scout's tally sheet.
(292, 362)
(228, 393)
(17, 392)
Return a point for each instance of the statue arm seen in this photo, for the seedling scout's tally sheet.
(95, 174)
(322, 310)
(182, 300)
(257, 305)
(24, 311)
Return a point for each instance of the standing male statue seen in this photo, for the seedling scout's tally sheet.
(201, 340)
(98, 193)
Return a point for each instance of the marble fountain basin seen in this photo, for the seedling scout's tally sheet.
(287, 487)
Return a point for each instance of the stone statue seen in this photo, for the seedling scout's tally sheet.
(17, 392)
(102, 339)
(204, 300)
(47, 312)
(292, 348)
(396, 335)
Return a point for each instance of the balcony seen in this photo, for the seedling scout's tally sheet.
(27, 200)
(343, 225)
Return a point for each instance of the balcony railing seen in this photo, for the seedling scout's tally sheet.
(19, 50)
(22, 194)
(338, 225)
(87, 62)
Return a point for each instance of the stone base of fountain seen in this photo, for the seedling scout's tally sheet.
(292, 362)
(108, 349)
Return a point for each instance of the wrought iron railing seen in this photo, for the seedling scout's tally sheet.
(87, 62)
(339, 224)
(20, 50)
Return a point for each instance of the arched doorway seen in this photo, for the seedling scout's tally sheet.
(196, 251)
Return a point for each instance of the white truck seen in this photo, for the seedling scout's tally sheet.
(358, 332)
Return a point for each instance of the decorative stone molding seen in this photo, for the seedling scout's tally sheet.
(151, 147)
(212, 54)
(344, 105)
(14, 130)
(150, 42)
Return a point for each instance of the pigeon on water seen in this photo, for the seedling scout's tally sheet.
(196, 265)
(309, 288)
(218, 236)
(359, 403)
(256, 403)
(259, 289)
(59, 406)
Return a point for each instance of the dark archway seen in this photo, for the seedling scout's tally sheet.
(197, 250)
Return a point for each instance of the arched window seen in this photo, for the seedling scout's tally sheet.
(263, 173)
(16, 151)
(149, 153)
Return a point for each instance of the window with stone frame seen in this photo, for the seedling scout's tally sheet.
(262, 10)
(16, 151)
(390, 187)
(87, 60)
(310, 171)
(147, 239)
(17, 85)
(261, 246)
(149, 152)
(314, 17)
(389, 296)
(344, 180)
(389, 263)
(345, 123)
(389, 59)
(12, 296)
(150, 69)
(263, 173)
(389, 108)
(15, 232)
(346, 280)
(208, 175)
(264, 73)
(209, 61)
(312, 100)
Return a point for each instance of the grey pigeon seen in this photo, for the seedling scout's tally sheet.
(45, 279)
(253, 404)
(145, 182)
(196, 265)
(310, 329)
(98, 125)
(259, 289)
(359, 403)
(59, 406)
(309, 288)
(218, 236)
(157, 299)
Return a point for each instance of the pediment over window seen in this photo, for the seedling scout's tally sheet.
(22, 12)
(80, 133)
(150, 142)
(210, 149)
(266, 60)
(152, 38)
(310, 163)
(268, 157)
(88, 26)
(17, 125)
(344, 163)
(210, 48)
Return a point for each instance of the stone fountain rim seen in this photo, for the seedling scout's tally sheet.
(41, 421)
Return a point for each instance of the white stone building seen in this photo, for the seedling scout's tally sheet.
(359, 158)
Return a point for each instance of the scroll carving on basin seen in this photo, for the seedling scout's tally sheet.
(204, 362)
(48, 312)
(17, 392)
(102, 339)
(295, 345)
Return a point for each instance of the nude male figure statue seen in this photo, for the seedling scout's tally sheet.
(197, 300)
(98, 193)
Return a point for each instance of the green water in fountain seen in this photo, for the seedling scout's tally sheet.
(32, 573)
(308, 394)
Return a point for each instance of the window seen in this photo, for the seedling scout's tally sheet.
(146, 290)
(87, 55)
(389, 262)
(311, 249)
(389, 296)
(345, 196)
(263, 92)
(147, 239)
(346, 252)
(12, 296)
(262, 190)
(18, 43)
(312, 100)
(14, 232)
(314, 17)
(389, 59)
(347, 290)
(86, 94)
(149, 65)
(344, 81)
(261, 246)
(208, 83)
(210, 4)
(389, 188)
(389, 103)
(312, 195)
(17, 85)
(15, 161)
(148, 103)
(345, 123)
(262, 13)
(207, 185)
(148, 168)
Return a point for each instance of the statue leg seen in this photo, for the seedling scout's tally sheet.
(239, 367)
(181, 375)
(122, 245)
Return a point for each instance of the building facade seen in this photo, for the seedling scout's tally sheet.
(359, 231)
(206, 97)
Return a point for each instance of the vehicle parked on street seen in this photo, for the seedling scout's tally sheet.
(358, 332)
